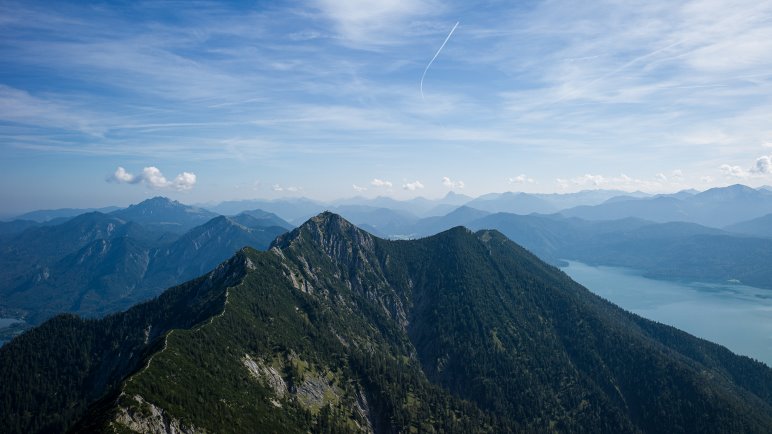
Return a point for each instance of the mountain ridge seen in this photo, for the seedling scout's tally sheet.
(162, 213)
(97, 263)
(458, 332)
(715, 207)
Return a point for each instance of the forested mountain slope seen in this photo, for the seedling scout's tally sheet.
(334, 330)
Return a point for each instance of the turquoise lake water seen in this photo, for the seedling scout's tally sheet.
(736, 316)
(5, 322)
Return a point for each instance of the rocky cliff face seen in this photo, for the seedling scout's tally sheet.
(344, 255)
(150, 419)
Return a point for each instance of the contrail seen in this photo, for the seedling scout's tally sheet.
(435, 56)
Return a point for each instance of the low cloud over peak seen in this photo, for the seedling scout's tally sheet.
(291, 189)
(380, 183)
(762, 167)
(447, 182)
(413, 186)
(152, 177)
(521, 179)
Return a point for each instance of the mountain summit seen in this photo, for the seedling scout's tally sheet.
(335, 330)
(330, 234)
(165, 214)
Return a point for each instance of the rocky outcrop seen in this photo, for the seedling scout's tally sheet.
(267, 374)
(147, 418)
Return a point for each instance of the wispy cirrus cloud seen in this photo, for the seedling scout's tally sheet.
(703, 58)
(611, 87)
(48, 112)
(373, 24)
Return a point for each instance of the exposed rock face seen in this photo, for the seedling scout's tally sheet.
(313, 390)
(267, 374)
(355, 261)
(362, 408)
(150, 419)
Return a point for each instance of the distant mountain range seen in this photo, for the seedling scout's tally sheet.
(258, 218)
(336, 331)
(299, 210)
(708, 208)
(162, 214)
(98, 263)
(717, 207)
(42, 216)
(528, 203)
(759, 227)
(670, 251)
(287, 209)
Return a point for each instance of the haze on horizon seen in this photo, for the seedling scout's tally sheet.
(104, 104)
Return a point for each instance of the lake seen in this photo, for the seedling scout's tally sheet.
(736, 316)
(5, 322)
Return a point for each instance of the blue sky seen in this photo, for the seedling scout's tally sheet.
(112, 102)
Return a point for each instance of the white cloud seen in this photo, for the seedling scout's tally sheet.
(706, 179)
(373, 23)
(184, 181)
(291, 189)
(447, 182)
(380, 183)
(413, 186)
(153, 178)
(521, 179)
(121, 175)
(675, 176)
(763, 164)
(622, 181)
(733, 171)
(358, 188)
(590, 179)
(761, 167)
(651, 57)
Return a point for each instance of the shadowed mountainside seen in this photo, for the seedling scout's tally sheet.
(334, 330)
